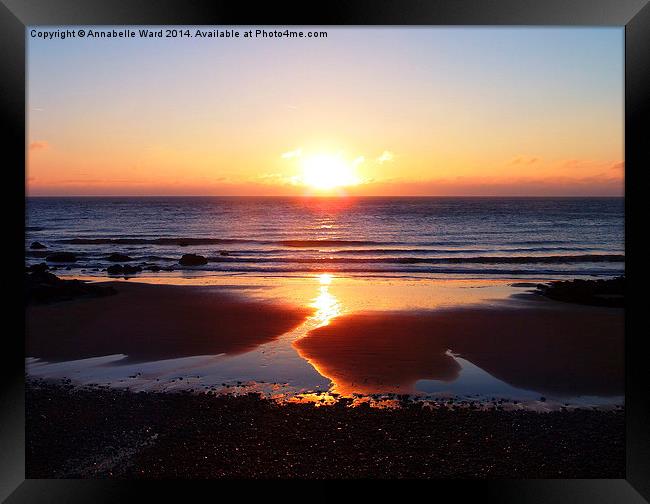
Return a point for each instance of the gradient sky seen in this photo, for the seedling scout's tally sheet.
(417, 111)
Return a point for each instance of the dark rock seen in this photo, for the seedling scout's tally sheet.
(38, 268)
(42, 286)
(115, 257)
(115, 269)
(61, 257)
(224, 253)
(192, 260)
(37, 245)
(37, 253)
(118, 269)
(610, 292)
(129, 270)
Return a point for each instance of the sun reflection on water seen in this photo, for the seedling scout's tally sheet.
(327, 306)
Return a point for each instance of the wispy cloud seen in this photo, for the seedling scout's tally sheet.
(587, 166)
(385, 157)
(525, 160)
(38, 145)
(292, 154)
(596, 185)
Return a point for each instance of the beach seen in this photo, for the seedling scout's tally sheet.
(385, 405)
(341, 339)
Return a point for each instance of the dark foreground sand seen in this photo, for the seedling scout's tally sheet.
(152, 322)
(108, 433)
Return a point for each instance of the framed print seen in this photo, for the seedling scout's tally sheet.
(349, 241)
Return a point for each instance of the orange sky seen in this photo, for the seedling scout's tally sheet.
(368, 111)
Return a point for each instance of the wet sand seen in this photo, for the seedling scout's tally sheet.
(558, 349)
(153, 322)
(108, 433)
(552, 347)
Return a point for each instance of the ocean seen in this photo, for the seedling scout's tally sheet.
(435, 237)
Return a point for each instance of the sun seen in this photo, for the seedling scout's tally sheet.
(324, 171)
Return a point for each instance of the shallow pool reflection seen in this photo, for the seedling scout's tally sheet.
(327, 306)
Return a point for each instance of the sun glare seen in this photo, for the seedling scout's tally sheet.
(325, 172)
(325, 279)
(327, 306)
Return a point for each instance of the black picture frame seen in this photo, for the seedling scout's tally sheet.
(15, 15)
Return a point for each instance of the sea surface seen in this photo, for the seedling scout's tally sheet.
(411, 237)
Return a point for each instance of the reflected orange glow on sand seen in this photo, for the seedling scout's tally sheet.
(369, 367)
(557, 349)
(382, 357)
